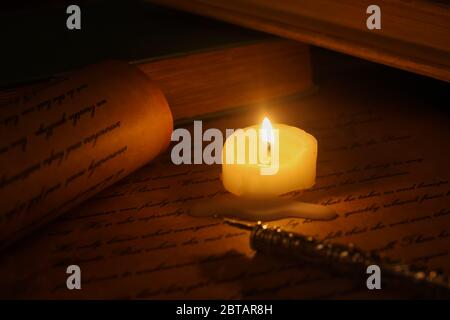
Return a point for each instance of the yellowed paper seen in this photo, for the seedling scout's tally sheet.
(63, 143)
(384, 171)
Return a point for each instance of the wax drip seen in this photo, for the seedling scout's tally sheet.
(265, 209)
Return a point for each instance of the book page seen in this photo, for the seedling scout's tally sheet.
(68, 139)
(382, 164)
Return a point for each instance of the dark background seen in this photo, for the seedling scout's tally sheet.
(37, 45)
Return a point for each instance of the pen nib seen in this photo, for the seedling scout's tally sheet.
(239, 224)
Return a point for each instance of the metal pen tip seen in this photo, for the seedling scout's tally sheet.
(238, 224)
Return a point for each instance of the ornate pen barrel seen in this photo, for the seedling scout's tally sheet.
(277, 241)
(350, 260)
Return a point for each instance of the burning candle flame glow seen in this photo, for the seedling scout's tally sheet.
(267, 132)
(267, 139)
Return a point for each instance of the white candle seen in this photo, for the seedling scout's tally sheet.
(294, 150)
(255, 196)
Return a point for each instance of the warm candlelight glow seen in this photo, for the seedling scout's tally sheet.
(267, 132)
(267, 141)
(286, 160)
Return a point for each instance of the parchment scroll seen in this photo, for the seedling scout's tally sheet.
(63, 143)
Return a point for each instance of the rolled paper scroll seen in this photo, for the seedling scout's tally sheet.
(66, 141)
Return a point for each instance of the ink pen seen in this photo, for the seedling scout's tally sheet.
(345, 259)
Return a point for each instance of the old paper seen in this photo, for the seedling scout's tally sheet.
(71, 138)
(382, 166)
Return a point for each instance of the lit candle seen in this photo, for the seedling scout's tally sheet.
(289, 158)
(259, 163)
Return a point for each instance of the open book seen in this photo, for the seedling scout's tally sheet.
(383, 165)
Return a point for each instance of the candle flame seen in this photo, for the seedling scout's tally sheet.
(267, 132)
